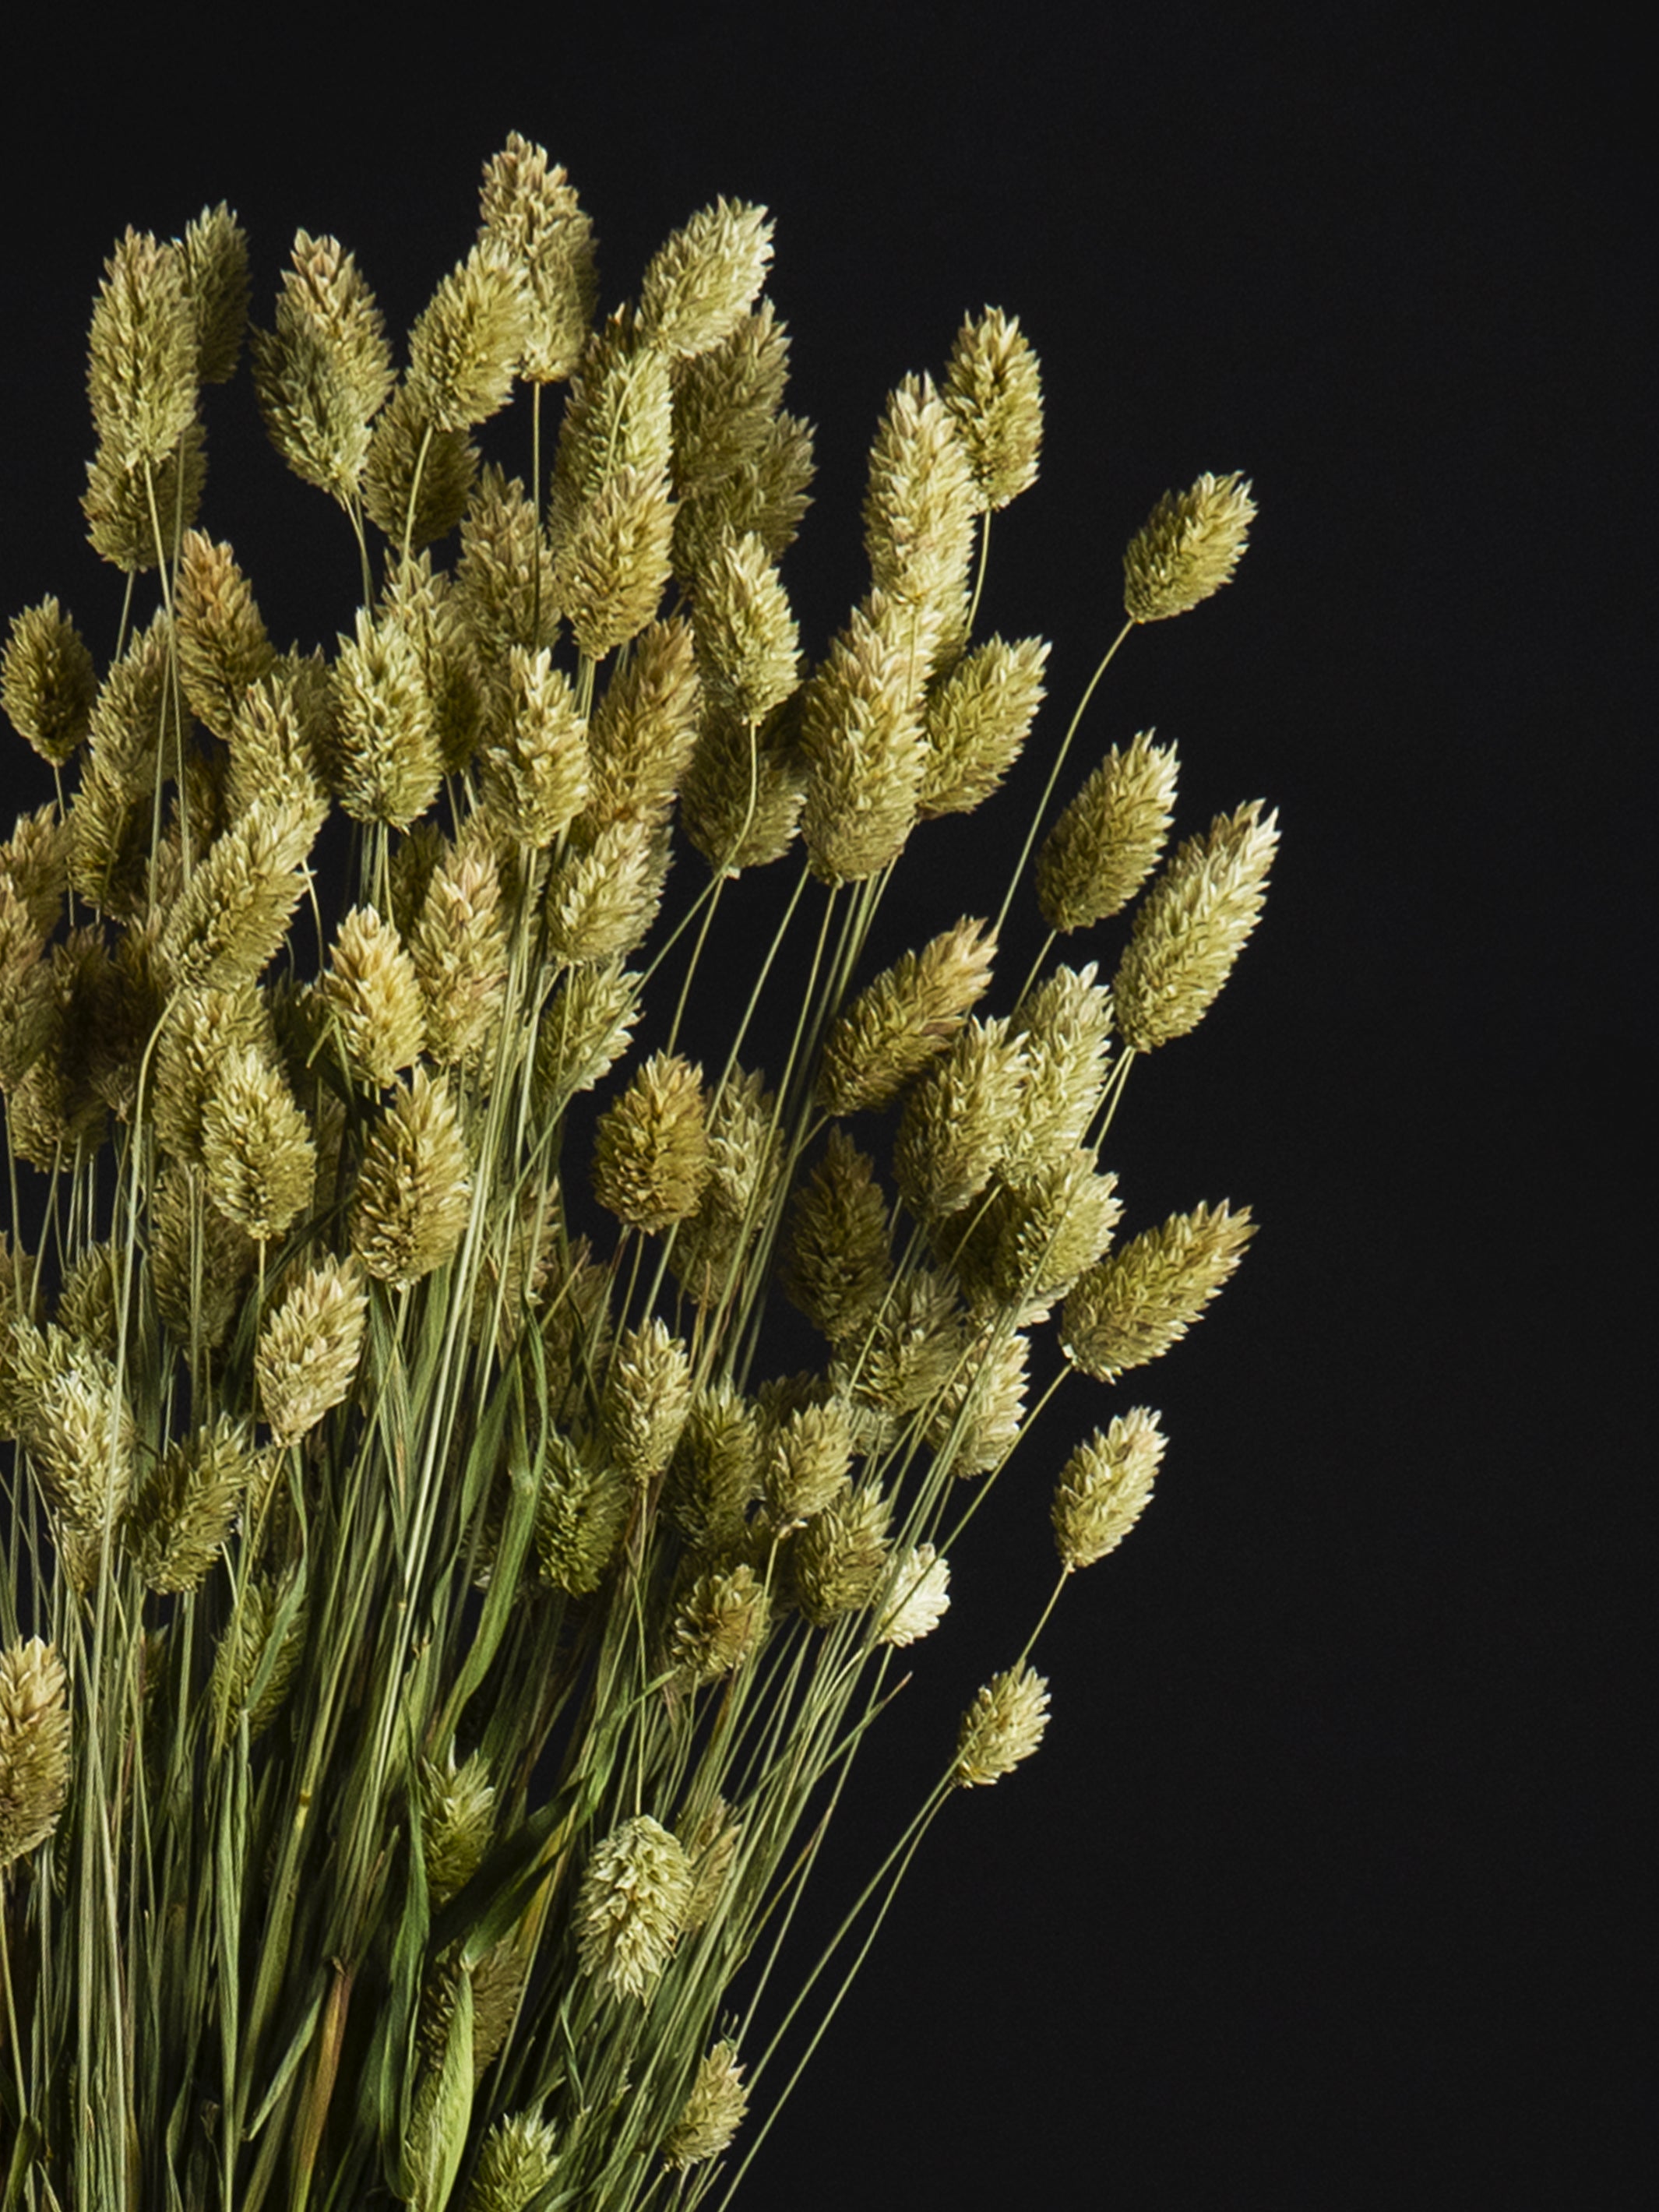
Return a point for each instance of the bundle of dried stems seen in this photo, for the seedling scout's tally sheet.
(434, 1638)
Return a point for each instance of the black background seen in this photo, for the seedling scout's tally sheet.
(1323, 1887)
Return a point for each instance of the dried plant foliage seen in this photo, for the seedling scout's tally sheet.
(459, 1607)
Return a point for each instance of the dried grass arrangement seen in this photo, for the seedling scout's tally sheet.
(434, 1637)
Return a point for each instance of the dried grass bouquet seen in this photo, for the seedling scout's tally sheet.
(436, 1627)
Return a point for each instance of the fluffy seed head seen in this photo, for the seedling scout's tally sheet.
(256, 1147)
(35, 1746)
(701, 281)
(1104, 1486)
(536, 777)
(631, 1906)
(718, 1622)
(309, 1348)
(224, 649)
(861, 733)
(457, 1818)
(1143, 1297)
(48, 683)
(839, 1560)
(977, 721)
(516, 2161)
(459, 948)
(713, 2111)
(960, 1120)
(414, 1191)
(1191, 926)
(647, 1397)
(1189, 548)
(651, 1154)
(805, 1461)
(390, 763)
(467, 340)
(994, 392)
(918, 1600)
(611, 567)
(600, 902)
(912, 1012)
(532, 218)
(141, 374)
(373, 993)
(1004, 1724)
(836, 1267)
(182, 1514)
(214, 251)
(920, 506)
(1106, 843)
(748, 645)
(325, 371)
(580, 1512)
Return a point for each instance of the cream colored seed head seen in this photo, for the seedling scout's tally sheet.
(977, 721)
(713, 2112)
(644, 729)
(647, 1399)
(1107, 841)
(415, 1190)
(651, 1156)
(459, 948)
(1003, 1725)
(614, 562)
(325, 371)
(600, 902)
(532, 217)
(911, 1013)
(1191, 927)
(960, 1120)
(183, 1513)
(839, 1560)
(417, 481)
(981, 1410)
(256, 1147)
(631, 1906)
(374, 993)
(1104, 1486)
(467, 340)
(719, 1622)
(920, 506)
(836, 1265)
(517, 2159)
(702, 281)
(141, 374)
(537, 778)
(918, 1599)
(725, 402)
(35, 1746)
(1139, 1300)
(47, 681)
(861, 733)
(1189, 547)
(214, 249)
(309, 1348)
(993, 390)
(748, 645)
(504, 578)
(715, 1466)
(223, 648)
(390, 763)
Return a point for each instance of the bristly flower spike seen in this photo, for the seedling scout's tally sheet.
(1189, 548)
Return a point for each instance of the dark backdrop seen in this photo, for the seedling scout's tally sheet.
(1322, 1889)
